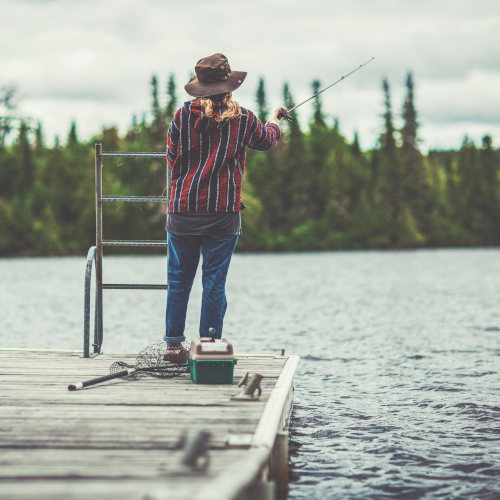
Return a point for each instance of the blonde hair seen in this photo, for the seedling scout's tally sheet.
(231, 108)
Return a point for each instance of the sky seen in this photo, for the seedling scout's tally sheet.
(91, 61)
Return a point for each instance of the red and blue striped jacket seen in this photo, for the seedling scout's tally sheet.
(207, 159)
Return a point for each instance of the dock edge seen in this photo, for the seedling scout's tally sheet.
(233, 483)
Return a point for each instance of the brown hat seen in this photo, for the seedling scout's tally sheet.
(214, 76)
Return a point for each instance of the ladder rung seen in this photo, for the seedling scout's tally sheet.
(135, 243)
(134, 198)
(118, 154)
(113, 286)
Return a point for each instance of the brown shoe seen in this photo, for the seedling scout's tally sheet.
(176, 355)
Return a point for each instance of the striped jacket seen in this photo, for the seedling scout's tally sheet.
(207, 159)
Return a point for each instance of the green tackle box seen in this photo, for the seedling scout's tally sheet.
(211, 361)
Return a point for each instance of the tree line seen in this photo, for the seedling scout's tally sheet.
(315, 191)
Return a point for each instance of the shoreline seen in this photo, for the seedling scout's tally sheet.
(22, 255)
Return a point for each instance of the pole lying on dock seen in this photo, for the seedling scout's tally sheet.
(98, 380)
(155, 360)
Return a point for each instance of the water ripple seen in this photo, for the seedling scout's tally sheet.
(397, 392)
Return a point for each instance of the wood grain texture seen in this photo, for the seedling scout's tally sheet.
(118, 439)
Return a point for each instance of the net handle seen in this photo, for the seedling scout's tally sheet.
(98, 380)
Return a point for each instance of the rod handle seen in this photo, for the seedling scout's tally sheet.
(283, 114)
(98, 380)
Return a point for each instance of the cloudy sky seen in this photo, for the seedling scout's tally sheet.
(91, 61)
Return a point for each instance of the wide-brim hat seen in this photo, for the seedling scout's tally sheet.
(214, 76)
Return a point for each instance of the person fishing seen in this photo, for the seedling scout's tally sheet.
(206, 156)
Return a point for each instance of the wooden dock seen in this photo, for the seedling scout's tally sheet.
(121, 439)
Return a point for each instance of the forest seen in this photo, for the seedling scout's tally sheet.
(314, 191)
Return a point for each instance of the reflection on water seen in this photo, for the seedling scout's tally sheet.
(397, 392)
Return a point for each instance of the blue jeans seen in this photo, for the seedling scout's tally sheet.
(183, 258)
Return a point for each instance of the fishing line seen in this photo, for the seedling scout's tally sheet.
(284, 113)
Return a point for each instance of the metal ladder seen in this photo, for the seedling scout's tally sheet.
(95, 253)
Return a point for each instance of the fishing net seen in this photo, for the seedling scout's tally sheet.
(160, 360)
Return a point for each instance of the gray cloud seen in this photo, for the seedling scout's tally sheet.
(92, 61)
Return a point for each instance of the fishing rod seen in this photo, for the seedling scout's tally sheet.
(284, 113)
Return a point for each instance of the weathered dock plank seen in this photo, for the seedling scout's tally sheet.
(120, 439)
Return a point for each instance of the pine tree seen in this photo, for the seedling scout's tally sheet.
(346, 177)
(158, 128)
(387, 140)
(289, 103)
(39, 145)
(355, 148)
(439, 228)
(261, 102)
(18, 191)
(470, 193)
(74, 183)
(26, 173)
(320, 142)
(59, 212)
(72, 137)
(294, 199)
(388, 190)
(409, 130)
(263, 180)
(7, 109)
(172, 99)
(155, 103)
(318, 114)
(415, 185)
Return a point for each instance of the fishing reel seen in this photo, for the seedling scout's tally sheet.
(283, 115)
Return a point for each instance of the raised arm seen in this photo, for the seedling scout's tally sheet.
(262, 137)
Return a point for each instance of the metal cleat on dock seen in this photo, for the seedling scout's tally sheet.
(195, 451)
(250, 386)
(192, 457)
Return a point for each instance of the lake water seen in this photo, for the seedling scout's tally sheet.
(397, 394)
